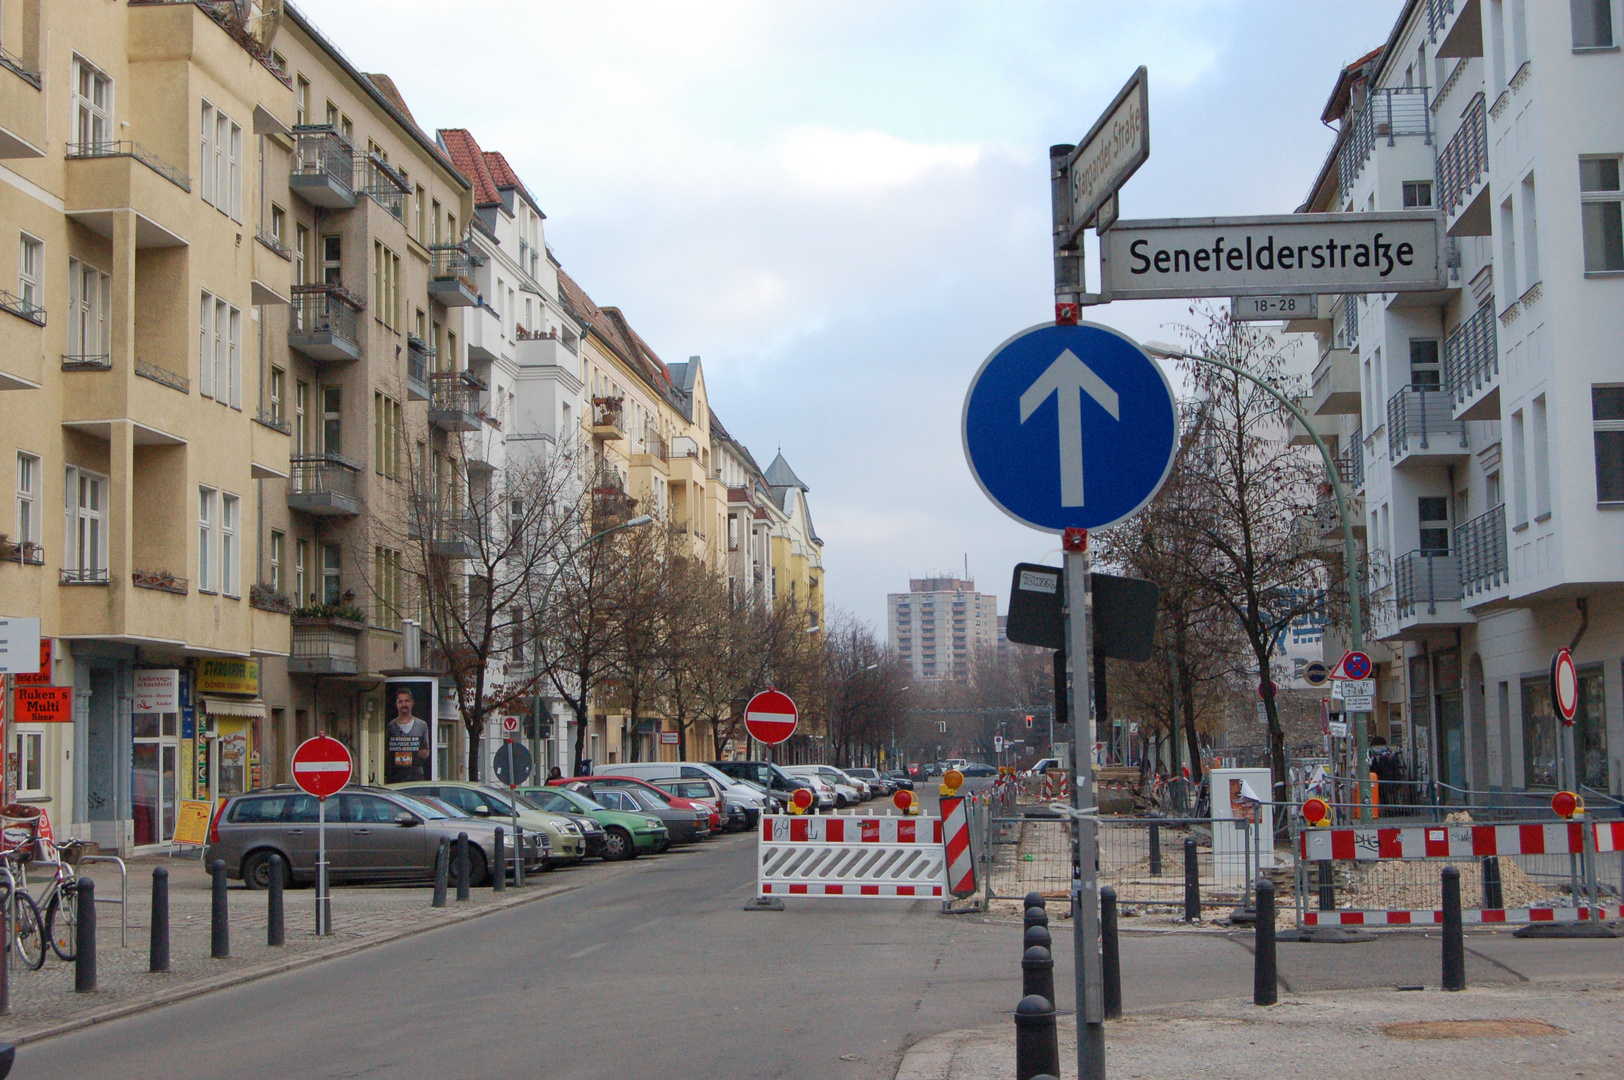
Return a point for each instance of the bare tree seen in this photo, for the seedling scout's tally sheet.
(863, 689)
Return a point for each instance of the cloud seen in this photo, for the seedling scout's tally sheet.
(823, 159)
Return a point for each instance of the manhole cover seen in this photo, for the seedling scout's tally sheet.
(1472, 1029)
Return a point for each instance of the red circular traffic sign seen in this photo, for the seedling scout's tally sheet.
(802, 799)
(1356, 665)
(322, 766)
(510, 725)
(770, 717)
(1564, 685)
(903, 799)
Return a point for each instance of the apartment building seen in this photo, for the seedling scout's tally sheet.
(1481, 423)
(941, 624)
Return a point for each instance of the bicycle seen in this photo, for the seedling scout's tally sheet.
(60, 901)
(27, 930)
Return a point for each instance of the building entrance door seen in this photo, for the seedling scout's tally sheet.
(154, 771)
(1451, 749)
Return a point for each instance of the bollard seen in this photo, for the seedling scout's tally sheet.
(1155, 850)
(442, 871)
(1037, 1044)
(273, 904)
(1035, 899)
(1035, 916)
(1037, 973)
(1110, 958)
(1038, 936)
(1493, 892)
(1265, 982)
(158, 950)
(1192, 881)
(462, 866)
(1325, 871)
(1454, 942)
(84, 955)
(219, 914)
(5, 960)
(499, 864)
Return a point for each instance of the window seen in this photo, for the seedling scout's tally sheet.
(30, 759)
(205, 539)
(219, 351)
(279, 224)
(205, 346)
(301, 418)
(220, 165)
(301, 101)
(386, 285)
(388, 584)
(1592, 23)
(89, 293)
(27, 523)
(386, 435)
(301, 255)
(1425, 369)
(234, 356)
(1607, 414)
(1542, 462)
(331, 582)
(278, 542)
(277, 388)
(1590, 730)
(301, 560)
(1519, 472)
(1530, 238)
(434, 217)
(1603, 214)
(1508, 248)
(1433, 514)
(30, 260)
(228, 544)
(85, 498)
(1417, 194)
(332, 420)
(205, 160)
(332, 251)
(1539, 734)
(92, 105)
(346, 128)
(418, 224)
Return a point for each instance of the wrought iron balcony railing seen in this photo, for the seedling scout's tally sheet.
(1422, 418)
(1481, 545)
(1472, 354)
(1386, 115)
(126, 148)
(1425, 579)
(1465, 160)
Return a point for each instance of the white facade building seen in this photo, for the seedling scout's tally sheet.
(940, 625)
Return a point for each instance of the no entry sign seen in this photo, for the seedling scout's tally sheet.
(770, 717)
(321, 766)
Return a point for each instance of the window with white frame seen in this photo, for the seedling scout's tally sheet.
(1602, 208)
(220, 164)
(1607, 417)
(229, 505)
(205, 539)
(1417, 194)
(219, 350)
(30, 261)
(29, 748)
(1592, 23)
(27, 523)
(278, 543)
(301, 560)
(85, 503)
(92, 106)
(332, 563)
(90, 293)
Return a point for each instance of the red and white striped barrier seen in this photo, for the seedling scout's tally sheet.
(1468, 916)
(1056, 785)
(961, 868)
(851, 856)
(1457, 841)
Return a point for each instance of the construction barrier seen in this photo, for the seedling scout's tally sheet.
(961, 868)
(895, 857)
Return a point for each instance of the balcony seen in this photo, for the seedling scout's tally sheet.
(325, 323)
(323, 167)
(419, 365)
(384, 186)
(1345, 324)
(1456, 27)
(608, 418)
(611, 506)
(104, 178)
(454, 537)
(1481, 545)
(1421, 427)
(1336, 385)
(451, 276)
(146, 369)
(654, 445)
(1426, 590)
(324, 486)
(483, 333)
(324, 646)
(454, 402)
(1387, 114)
(1472, 366)
(1463, 174)
(22, 104)
(1328, 516)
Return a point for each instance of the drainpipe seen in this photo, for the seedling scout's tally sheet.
(1583, 604)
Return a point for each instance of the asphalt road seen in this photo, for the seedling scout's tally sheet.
(651, 969)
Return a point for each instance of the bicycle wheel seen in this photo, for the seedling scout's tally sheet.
(29, 931)
(61, 922)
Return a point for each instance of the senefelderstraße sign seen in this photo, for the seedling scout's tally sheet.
(1266, 256)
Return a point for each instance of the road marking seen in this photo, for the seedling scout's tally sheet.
(588, 949)
(643, 926)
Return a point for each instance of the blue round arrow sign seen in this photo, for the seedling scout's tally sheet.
(1070, 427)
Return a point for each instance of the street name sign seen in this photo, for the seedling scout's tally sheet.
(1266, 308)
(322, 766)
(1111, 152)
(1181, 258)
(770, 717)
(1093, 457)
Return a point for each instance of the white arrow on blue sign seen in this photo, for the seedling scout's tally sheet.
(1094, 457)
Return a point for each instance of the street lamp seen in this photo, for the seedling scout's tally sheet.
(1350, 553)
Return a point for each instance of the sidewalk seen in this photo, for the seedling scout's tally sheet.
(43, 1002)
(1528, 1030)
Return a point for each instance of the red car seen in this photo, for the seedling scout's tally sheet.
(660, 794)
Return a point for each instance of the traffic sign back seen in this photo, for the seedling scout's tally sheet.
(512, 763)
(1069, 427)
(322, 766)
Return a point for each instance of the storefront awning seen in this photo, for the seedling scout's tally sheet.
(229, 707)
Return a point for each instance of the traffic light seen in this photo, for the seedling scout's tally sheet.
(541, 719)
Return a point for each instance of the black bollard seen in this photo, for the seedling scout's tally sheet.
(1035, 899)
(1493, 892)
(1192, 881)
(1110, 958)
(1037, 973)
(1035, 916)
(1039, 936)
(5, 962)
(442, 871)
(273, 904)
(84, 956)
(1265, 982)
(219, 914)
(158, 949)
(1155, 850)
(499, 864)
(1037, 1044)
(462, 866)
(1325, 871)
(1454, 941)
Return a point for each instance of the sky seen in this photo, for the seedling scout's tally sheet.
(843, 207)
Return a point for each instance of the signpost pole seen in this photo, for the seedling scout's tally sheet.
(1085, 901)
(324, 918)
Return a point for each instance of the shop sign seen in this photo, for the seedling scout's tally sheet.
(668, 738)
(42, 677)
(157, 690)
(192, 823)
(228, 677)
(44, 705)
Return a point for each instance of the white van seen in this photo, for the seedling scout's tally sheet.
(654, 771)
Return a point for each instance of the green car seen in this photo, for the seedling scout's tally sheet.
(568, 845)
(630, 835)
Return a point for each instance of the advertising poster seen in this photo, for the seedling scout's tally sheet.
(408, 729)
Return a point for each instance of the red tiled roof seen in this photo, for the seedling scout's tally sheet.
(471, 161)
(386, 86)
(613, 329)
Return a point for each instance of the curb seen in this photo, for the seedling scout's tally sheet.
(224, 982)
(931, 1058)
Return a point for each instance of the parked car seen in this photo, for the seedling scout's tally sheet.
(713, 815)
(748, 794)
(875, 779)
(844, 794)
(684, 824)
(901, 779)
(735, 816)
(482, 801)
(763, 774)
(1043, 765)
(626, 835)
(373, 835)
(976, 769)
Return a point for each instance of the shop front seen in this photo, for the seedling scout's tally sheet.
(230, 728)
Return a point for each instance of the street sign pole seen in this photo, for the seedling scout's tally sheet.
(324, 904)
(1085, 903)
